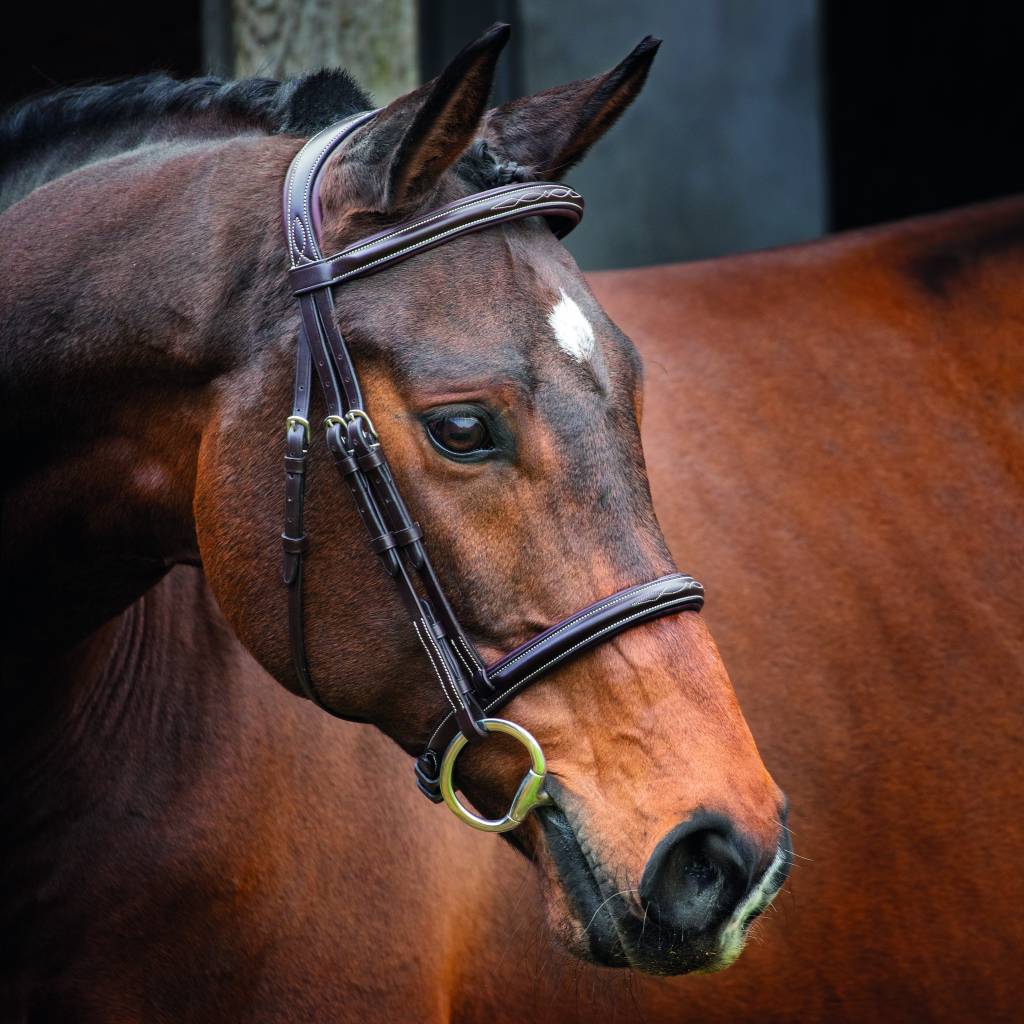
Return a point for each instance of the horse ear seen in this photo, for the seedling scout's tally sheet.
(418, 136)
(549, 132)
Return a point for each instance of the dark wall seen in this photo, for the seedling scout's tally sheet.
(723, 150)
(447, 25)
(57, 44)
(924, 106)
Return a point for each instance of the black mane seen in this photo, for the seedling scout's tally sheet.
(300, 106)
(49, 135)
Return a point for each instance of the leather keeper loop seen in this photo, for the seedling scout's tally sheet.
(293, 464)
(469, 719)
(290, 568)
(428, 777)
(408, 535)
(482, 681)
(385, 542)
(294, 545)
(370, 459)
(346, 463)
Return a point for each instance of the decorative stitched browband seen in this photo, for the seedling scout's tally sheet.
(471, 689)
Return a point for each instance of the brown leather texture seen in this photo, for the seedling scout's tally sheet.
(301, 208)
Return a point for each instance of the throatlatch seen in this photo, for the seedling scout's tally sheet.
(472, 690)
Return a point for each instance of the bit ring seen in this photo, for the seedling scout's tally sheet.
(529, 795)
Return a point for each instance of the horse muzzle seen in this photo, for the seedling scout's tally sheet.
(699, 892)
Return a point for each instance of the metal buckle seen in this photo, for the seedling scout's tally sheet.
(529, 795)
(358, 414)
(298, 421)
(354, 414)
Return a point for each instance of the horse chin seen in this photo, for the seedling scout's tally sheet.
(604, 924)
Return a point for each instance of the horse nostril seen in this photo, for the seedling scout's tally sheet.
(698, 874)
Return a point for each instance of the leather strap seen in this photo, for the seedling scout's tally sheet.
(301, 201)
(470, 689)
(559, 204)
(565, 640)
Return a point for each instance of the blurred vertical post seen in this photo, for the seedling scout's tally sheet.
(377, 41)
(446, 26)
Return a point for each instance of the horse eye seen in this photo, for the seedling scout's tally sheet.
(460, 435)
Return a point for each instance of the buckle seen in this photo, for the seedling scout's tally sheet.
(357, 414)
(350, 417)
(298, 421)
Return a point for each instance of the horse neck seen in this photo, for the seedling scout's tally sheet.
(29, 163)
(128, 687)
(149, 711)
(134, 288)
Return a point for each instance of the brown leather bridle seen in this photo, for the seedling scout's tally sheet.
(472, 690)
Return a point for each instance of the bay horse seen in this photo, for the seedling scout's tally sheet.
(844, 420)
(838, 425)
(184, 841)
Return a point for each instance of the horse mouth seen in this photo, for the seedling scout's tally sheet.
(615, 929)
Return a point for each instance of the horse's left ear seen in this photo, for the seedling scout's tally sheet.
(549, 132)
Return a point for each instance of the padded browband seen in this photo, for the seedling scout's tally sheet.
(472, 690)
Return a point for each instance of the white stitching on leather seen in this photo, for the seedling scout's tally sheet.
(299, 257)
(407, 227)
(579, 617)
(469, 650)
(305, 215)
(296, 254)
(307, 223)
(433, 665)
(575, 647)
(416, 245)
(505, 695)
(464, 204)
(454, 689)
(451, 679)
(549, 192)
(462, 658)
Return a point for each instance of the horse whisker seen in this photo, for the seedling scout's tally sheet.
(621, 892)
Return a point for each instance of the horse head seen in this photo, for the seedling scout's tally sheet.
(509, 406)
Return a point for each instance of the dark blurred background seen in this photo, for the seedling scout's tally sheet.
(764, 121)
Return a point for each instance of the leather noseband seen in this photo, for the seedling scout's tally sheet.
(471, 689)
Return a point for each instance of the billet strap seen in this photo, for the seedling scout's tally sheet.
(581, 631)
